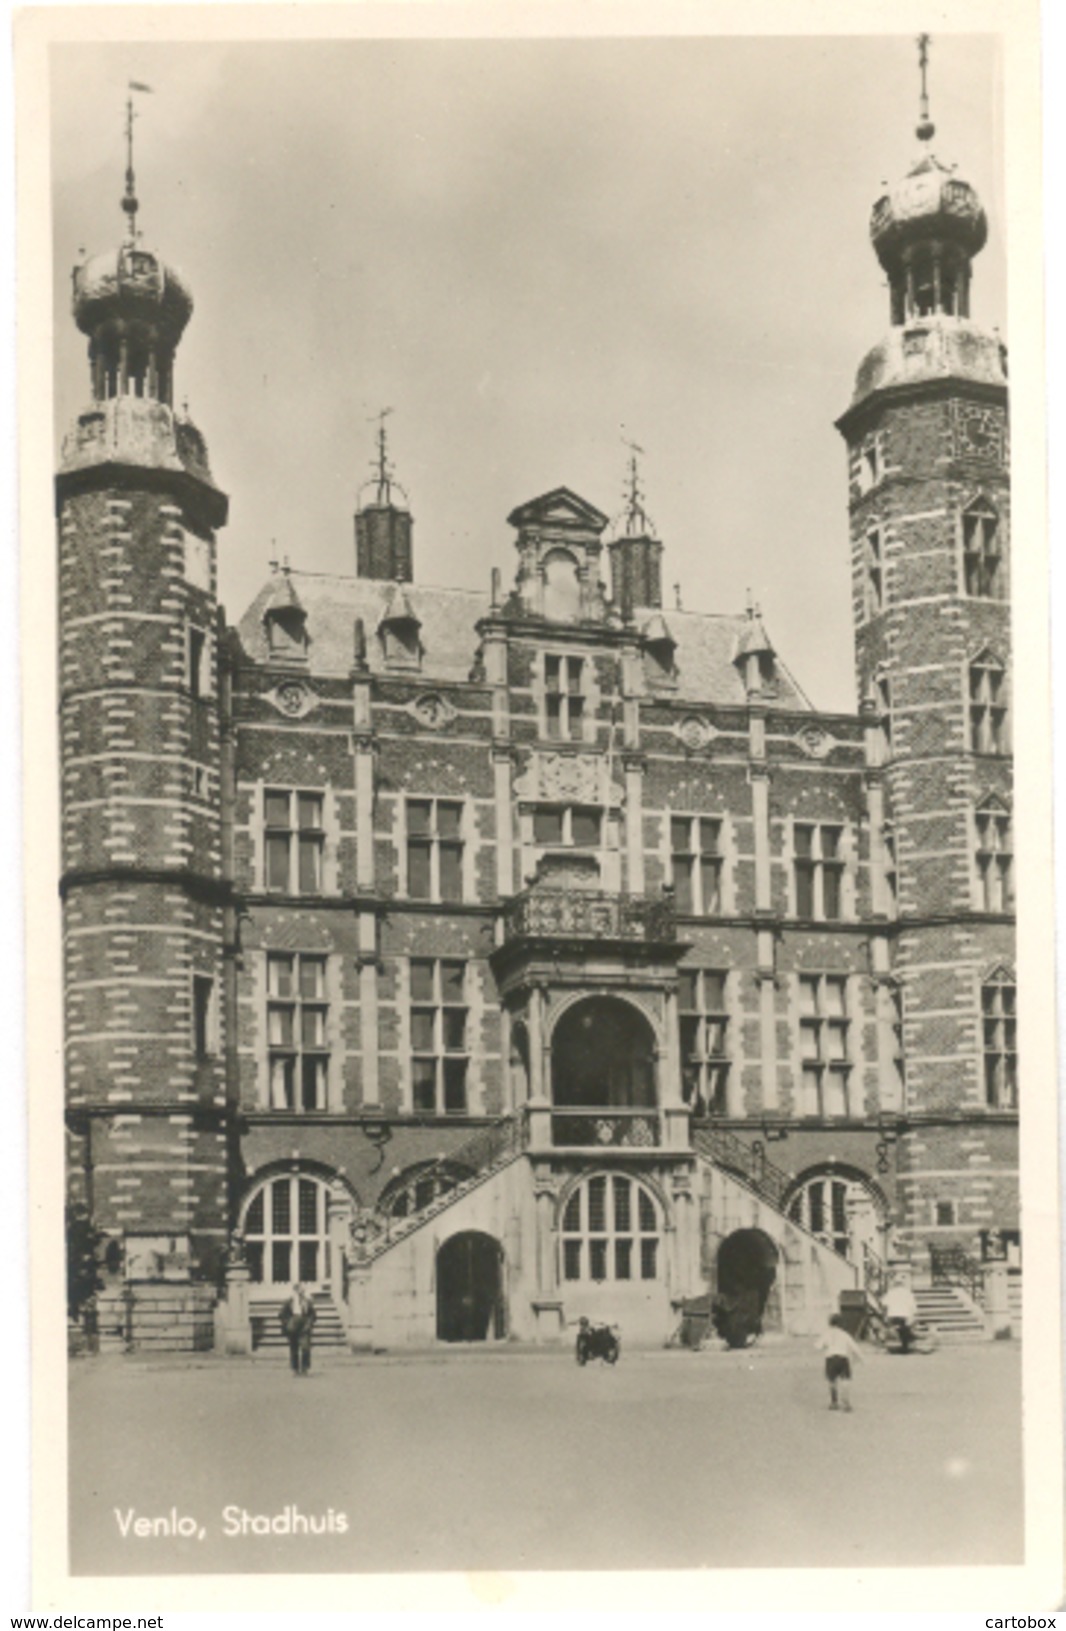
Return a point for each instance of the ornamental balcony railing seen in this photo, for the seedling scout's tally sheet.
(586, 914)
(606, 1129)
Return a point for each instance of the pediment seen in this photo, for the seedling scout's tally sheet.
(558, 508)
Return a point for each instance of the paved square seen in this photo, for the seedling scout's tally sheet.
(509, 1461)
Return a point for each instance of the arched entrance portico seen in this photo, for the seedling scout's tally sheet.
(603, 1055)
(470, 1303)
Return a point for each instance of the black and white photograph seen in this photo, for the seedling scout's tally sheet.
(553, 968)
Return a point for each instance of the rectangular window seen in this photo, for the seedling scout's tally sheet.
(818, 869)
(982, 553)
(988, 707)
(203, 1015)
(435, 849)
(297, 1031)
(198, 676)
(439, 1035)
(883, 700)
(703, 1019)
(875, 574)
(899, 1057)
(825, 1062)
(567, 826)
(293, 842)
(1000, 1037)
(891, 865)
(946, 1214)
(869, 463)
(696, 862)
(995, 861)
(564, 697)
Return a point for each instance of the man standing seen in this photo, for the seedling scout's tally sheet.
(297, 1319)
(901, 1310)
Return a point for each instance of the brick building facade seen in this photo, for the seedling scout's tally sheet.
(487, 959)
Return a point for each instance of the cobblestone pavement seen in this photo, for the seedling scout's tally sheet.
(509, 1461)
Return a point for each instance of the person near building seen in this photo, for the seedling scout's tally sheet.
(901, 1311)
(297, 1321)
(840, 1350)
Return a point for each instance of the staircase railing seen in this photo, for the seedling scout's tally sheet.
(480, 1154)
(951, 1266)
(748, 1161)
(874, 1273)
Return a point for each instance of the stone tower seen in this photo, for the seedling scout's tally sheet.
(927, 441)
(142, 887)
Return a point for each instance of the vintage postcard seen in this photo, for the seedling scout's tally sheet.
(538, 807)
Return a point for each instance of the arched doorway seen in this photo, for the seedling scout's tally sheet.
(285, 1223)
(470, 1305)
(603, 1056)
(746, 1271)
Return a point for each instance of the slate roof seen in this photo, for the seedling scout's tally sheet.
(705, 656)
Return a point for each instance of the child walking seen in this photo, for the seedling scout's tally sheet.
(839, 1351)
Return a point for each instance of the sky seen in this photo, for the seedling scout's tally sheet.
(528, 250)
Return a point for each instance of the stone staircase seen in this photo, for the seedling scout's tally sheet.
(483, 1155)
(268, 1339)
(952, 1314)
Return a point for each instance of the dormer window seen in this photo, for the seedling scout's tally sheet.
(660, 667)
(287, 633)
(285, 621)
(400, 630)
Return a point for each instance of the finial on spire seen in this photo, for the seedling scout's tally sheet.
(384, 474)
(926, 129)
(638, 522)
(129, 199)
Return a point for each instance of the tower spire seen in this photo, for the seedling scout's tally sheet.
(926, 129)
(129, 199)
(384, 476)
(638, 523)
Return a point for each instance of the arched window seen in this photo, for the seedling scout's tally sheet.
(610, 1231)
(285, 1230)
(412, 1191)
(841, 1210)
(982, 551)
(988, 705)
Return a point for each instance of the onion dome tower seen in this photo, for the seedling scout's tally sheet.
(144, 902)
(927, 441)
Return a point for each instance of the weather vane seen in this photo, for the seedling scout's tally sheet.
(129, 201)
(638, 521)
(926, 128)
(384, 477)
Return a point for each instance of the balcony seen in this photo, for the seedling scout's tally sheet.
(612, 1129)
(589, 914)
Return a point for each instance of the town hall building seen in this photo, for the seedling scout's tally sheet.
(486, 959)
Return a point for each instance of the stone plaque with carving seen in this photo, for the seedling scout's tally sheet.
(432, 710)
(293, 698)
